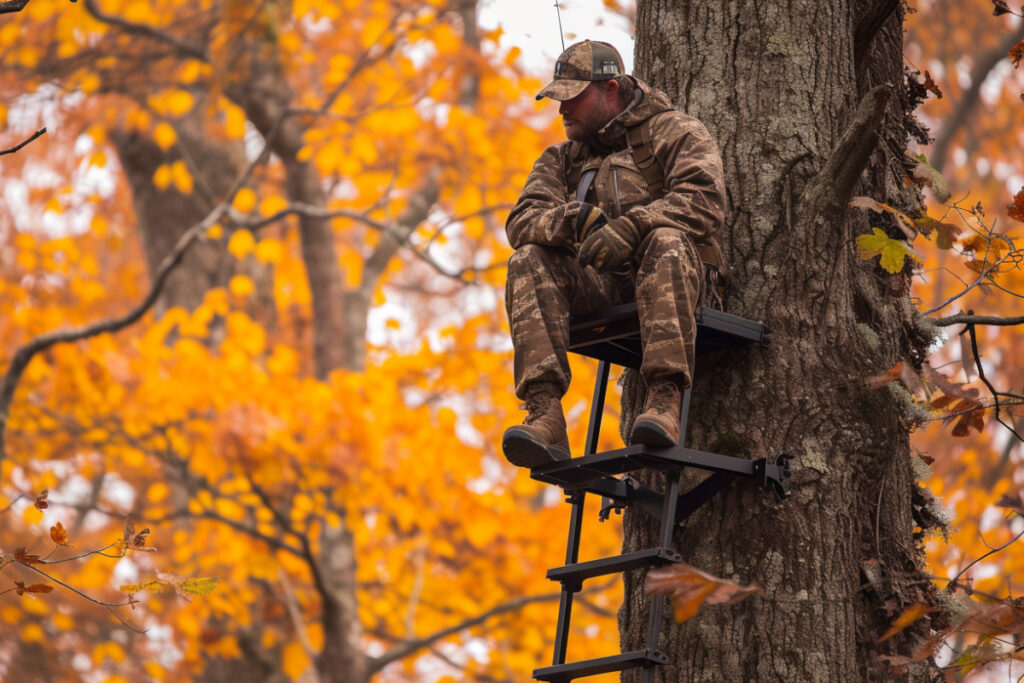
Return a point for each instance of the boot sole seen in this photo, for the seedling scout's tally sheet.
(650, 434)
(522, 450)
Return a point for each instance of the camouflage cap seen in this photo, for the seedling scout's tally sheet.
(578, 66)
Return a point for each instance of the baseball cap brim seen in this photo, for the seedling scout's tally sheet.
(562, 89)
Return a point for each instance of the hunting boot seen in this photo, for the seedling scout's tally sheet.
(658, 425)
(542, 437)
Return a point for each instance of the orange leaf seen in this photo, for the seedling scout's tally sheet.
(1016, 210)
(21, 588)
(689, 588)
(21, 555)
(58, 534)
(908, 617)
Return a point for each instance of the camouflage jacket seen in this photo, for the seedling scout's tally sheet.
(694, 199)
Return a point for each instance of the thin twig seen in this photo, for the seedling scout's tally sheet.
(109, 605)
(991, 552)
(26, 353)
(14, 149)
(188, 49)
(981, 375)
(410, 646)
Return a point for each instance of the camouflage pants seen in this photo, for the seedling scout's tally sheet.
(546, 285)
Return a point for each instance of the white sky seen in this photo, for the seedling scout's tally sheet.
(532, 25)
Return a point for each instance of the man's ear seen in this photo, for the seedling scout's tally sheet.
(611, 89)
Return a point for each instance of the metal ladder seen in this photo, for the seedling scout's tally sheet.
(613, 336)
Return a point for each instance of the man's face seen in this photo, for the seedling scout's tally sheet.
(589, 111)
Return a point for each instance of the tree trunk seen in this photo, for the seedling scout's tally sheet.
(777, 85)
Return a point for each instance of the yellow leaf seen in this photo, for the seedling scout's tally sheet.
(178, 102)
(182, 178)
(162, 177)
(272, 204)
(53, 204)
(98, 225)
(215, 232)
(32, 515)
(234, 122)
(200, 586)
(269, 251)
(99, 159)
(241, 243)
(157, 492)
(905, 619)
(245, 200)
(164, 135)
(294, 660)
(240, 285)
(33, 633)
(63, 621)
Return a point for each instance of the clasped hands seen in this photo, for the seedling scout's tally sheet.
(605, 244)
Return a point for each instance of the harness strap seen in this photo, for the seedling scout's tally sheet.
(584, 187)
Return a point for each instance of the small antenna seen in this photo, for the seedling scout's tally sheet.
(561, 34)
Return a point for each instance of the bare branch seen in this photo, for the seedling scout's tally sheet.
(991, 552)
(108, 605)
(35, 135)
(12, 6)
(969, 99)
(408, 647)
(188, 49)
(981, 375)
(26, 353)
(967, 319)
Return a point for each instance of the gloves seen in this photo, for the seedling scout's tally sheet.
(589, 218)
(609, 245)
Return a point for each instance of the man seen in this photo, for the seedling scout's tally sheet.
(657, 195)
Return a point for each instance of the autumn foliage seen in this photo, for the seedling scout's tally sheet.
(257, 483)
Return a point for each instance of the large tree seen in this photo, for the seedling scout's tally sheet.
(809, 103)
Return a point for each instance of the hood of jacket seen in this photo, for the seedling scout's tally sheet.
(647, 102)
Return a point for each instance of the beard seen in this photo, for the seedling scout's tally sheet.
(587, 126)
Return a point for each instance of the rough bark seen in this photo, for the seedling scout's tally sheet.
(777, 85)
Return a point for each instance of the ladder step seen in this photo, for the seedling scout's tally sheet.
(575, 573)
(602, 665)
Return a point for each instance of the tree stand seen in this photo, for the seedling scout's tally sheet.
(613, 336)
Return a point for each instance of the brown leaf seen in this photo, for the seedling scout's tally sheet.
(58, 534)
(1015, 503)
(1000, 8)
(999, 619)
(936, 378)
(1016, 210)
(911, 380)
(902, 220)
(905, 619)
(21, 555)
(1017, 53)
(41, 503)
(890, 375)
(689, 588)
(931, 86)
(897, 663)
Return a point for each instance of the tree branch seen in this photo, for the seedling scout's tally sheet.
(12, 6)
(981, 375)
(969, 99)
(187, 49)
(829, 192)
(35, 135)
(408, 647)
(26, 353)
(969, 319)
(869, 25)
